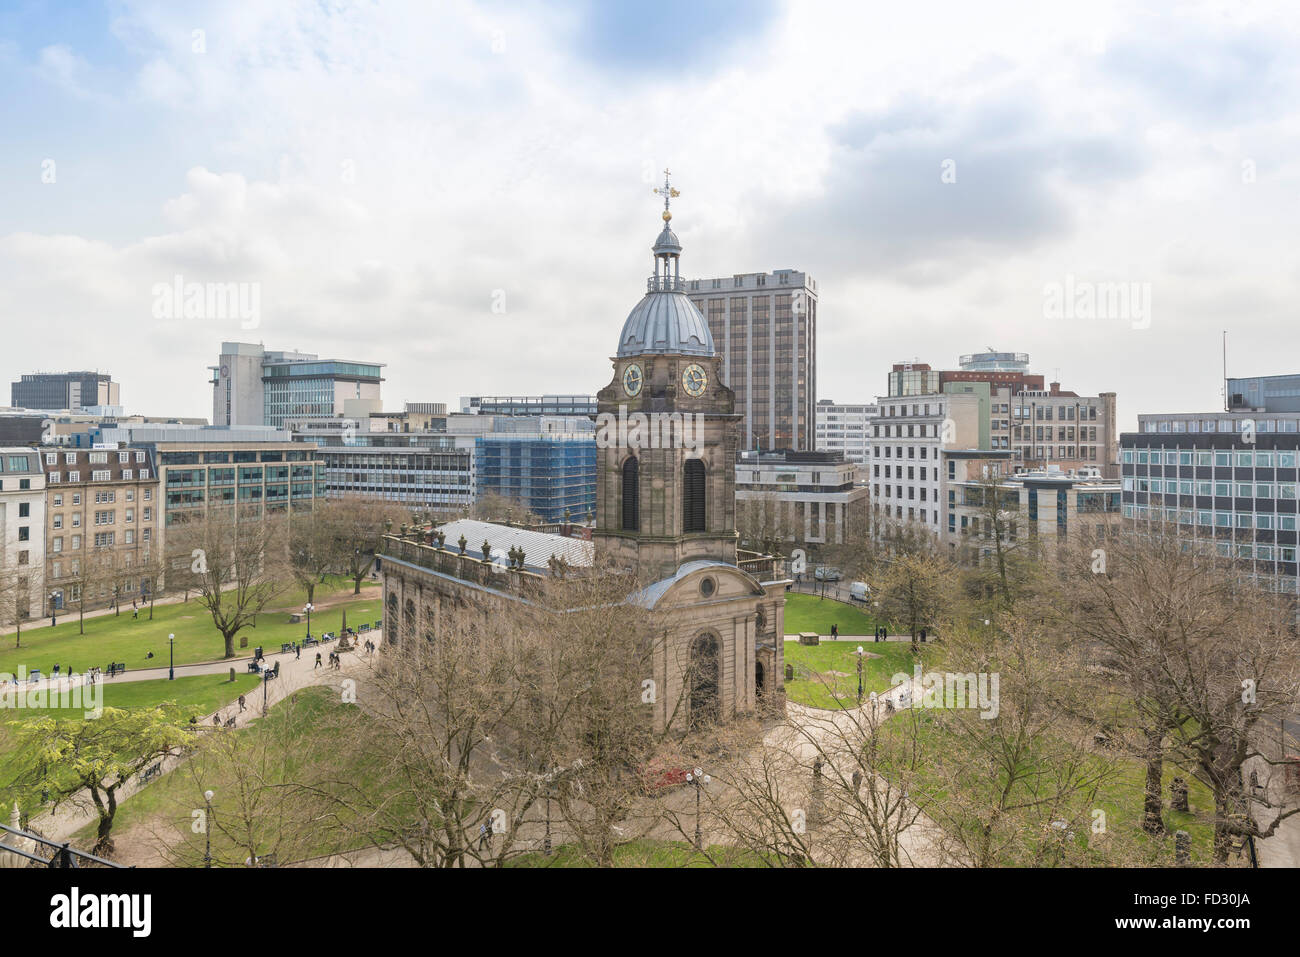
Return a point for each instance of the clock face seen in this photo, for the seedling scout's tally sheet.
(632, 379)
(694, 379)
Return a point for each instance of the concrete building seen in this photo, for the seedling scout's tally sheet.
(251, 386)
(64, 390)
(846, 429)
(1048, 504)
(528, 404)
(101, 509)
(765, 329)
(1229, 480)
(1040, 422)
(22, 533)
(909, 438)
(805, 499)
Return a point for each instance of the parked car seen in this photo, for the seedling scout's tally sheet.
(860, 591)
(827, 574)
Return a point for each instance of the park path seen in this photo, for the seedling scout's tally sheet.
(295, 674)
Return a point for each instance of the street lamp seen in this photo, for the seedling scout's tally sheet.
(266, 680)
(171, 657)
(308, 609)
(546, 844)
(860, 653)
(207, 830)
(53, 598)
(699, 779)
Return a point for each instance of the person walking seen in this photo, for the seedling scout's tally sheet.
(835, 631)
(297, 651)
(317, 661)
(241, 703)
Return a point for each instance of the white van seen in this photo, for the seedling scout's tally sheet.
(860, 591)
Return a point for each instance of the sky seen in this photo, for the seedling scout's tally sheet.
(463, 190)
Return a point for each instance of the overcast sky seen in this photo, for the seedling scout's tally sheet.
(384, 175)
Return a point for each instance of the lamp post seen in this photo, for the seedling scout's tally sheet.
(699, 779)
(207, 830)
(546, 843)
(171, 657)
(266, 680)
(308, 609)
(860, 653)
(53, 598)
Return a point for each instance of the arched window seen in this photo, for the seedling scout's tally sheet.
(631, 496)
(693, 496)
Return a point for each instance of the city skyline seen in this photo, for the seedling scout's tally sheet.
(443, 201)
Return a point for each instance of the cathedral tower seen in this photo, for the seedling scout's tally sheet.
(667, 431)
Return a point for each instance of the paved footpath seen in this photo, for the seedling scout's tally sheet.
(295, 674)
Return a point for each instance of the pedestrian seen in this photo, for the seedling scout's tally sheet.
(835, 631)
(484, 837)
(297, 651)
(317, 661)
(54, 670)
(241, 702)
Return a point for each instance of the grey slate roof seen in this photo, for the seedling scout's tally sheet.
(665, 323)
(537, 546)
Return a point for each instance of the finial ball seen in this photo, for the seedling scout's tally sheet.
(667, 215)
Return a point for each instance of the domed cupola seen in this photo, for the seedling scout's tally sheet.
(665, 321)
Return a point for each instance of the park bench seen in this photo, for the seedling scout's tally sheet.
(309, 641)
(34, 676)
(379, 623)
(286, 646)
(252, 666)
(328, 636)
(151, 772)
(363, 628)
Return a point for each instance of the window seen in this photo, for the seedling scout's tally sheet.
(631, 495)
(58, 521)
(693, 494)
(56, 543)
(76, 542)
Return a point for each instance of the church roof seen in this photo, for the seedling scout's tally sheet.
(665, 323)
(537, 546)
(651, 595)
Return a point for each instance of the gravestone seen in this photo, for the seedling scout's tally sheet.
(1178, 795)
(232, 674)
(809, 638)
(789, 672)
(243, 641)
(1182, 848)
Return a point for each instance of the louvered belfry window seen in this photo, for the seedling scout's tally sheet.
(631, 496)
(693, 496)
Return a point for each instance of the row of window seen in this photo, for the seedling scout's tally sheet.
(101, 539)
(1217, 458)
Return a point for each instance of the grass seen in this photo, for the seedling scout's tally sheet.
(810, 613)
(297, 726)
(124, 639)
(815, 686)
(197, 694)
(1121, 797)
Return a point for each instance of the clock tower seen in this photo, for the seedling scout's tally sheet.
(667, 432)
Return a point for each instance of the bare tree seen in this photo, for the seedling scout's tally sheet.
(236, 564)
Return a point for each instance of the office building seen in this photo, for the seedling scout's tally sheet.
(528, 404)
(22, 534)
(251, 386)
(764, 326)
(1227, 480)
(64, 390)
(846, 429)
(806, 499)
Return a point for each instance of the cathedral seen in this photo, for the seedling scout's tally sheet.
(668, 508)
(667, 438)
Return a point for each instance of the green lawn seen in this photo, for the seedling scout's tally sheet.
(815, 684)
(810, 613)
(124, 639)
(197, 694)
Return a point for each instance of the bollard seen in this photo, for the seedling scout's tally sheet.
(232, 675)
